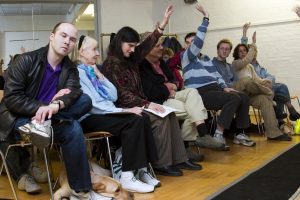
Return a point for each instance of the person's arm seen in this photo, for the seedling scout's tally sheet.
(145, 47)
(241, 63)
(244, 39)
(120, 78)
(99, 107)
(194, 49)
(297, 10)
(16, 99)
(155, 90)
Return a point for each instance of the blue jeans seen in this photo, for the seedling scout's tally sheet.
(69, 136)
(282, 90)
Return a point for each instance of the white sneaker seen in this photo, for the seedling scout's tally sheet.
(243, 139)
(93, 196)
(220, 138)
(134, 185)
(80, 195)
(28, 184)
(40, 134)
(146, 177)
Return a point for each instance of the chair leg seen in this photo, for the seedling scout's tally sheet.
(257, 122)
(48, 173)
(152, 171)
(109, 154)
(7, 150)
(8, 175)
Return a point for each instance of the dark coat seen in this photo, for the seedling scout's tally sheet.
(21, 88)
(153, 83)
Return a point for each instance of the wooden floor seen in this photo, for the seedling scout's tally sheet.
(219, 170)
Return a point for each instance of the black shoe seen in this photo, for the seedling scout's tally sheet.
(194, 156)
(283, 137)
(168, 171)
(189, 165)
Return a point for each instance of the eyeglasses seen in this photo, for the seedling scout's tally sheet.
(224, 49)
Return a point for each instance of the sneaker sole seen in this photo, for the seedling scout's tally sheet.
(246, 145)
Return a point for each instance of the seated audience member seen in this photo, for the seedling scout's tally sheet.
(133, 127)
(258, 89)
(121, 68)
(167, 53)
(160, 87)
(281, 92)
(216, 95)
(44, 85)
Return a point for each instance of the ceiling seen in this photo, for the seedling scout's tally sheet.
(36, 8)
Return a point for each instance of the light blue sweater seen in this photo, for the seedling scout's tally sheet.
(100, 105)
(199, 72)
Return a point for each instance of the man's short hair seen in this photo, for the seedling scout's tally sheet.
(57, 25)
(191, 34)
(227, 41)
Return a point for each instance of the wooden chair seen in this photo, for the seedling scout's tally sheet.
(99, 135)
(258, 120)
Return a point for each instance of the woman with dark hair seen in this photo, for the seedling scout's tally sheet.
(259, 90)
(130, 125)
(121, 68)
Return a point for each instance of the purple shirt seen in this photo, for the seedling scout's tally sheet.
(48, 87)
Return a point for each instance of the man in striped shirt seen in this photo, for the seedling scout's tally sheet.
(200, 73)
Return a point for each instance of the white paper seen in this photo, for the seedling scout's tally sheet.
(168, 110)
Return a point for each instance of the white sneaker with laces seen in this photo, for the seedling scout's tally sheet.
(146, 177)
(220, 138)
(243, 139)
(134, 185)
(39, 134)
(28, 184)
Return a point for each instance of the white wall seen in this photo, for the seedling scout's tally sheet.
(278, 31)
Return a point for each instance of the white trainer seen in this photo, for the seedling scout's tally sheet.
(243, 139)
(146, 177)
(134, 185)
(28, 184)
(39, 134)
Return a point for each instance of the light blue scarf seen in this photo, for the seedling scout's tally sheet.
(90, 73)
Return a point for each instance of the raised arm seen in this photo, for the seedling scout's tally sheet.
(297, 10)
(244, 39)
(241, 63)
(194, 49)
(145, 47)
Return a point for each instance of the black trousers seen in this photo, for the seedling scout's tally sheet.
(230, 103)
(134, 131)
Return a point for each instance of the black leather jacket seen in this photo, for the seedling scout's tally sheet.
(24, 77)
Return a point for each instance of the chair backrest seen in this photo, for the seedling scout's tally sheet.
(1, 94)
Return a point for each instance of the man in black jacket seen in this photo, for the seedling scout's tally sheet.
(42, 87)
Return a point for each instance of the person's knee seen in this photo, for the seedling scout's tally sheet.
(73, 131)
(236, 99)
(85, 101)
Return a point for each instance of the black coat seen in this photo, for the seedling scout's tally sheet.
(153, 83)
(23, 79)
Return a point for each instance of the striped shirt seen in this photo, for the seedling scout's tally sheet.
(198, 72)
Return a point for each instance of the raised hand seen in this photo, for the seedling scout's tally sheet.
(201, 9)
(166, 18)
(245, 28)
(254, 37)
(297, 10)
